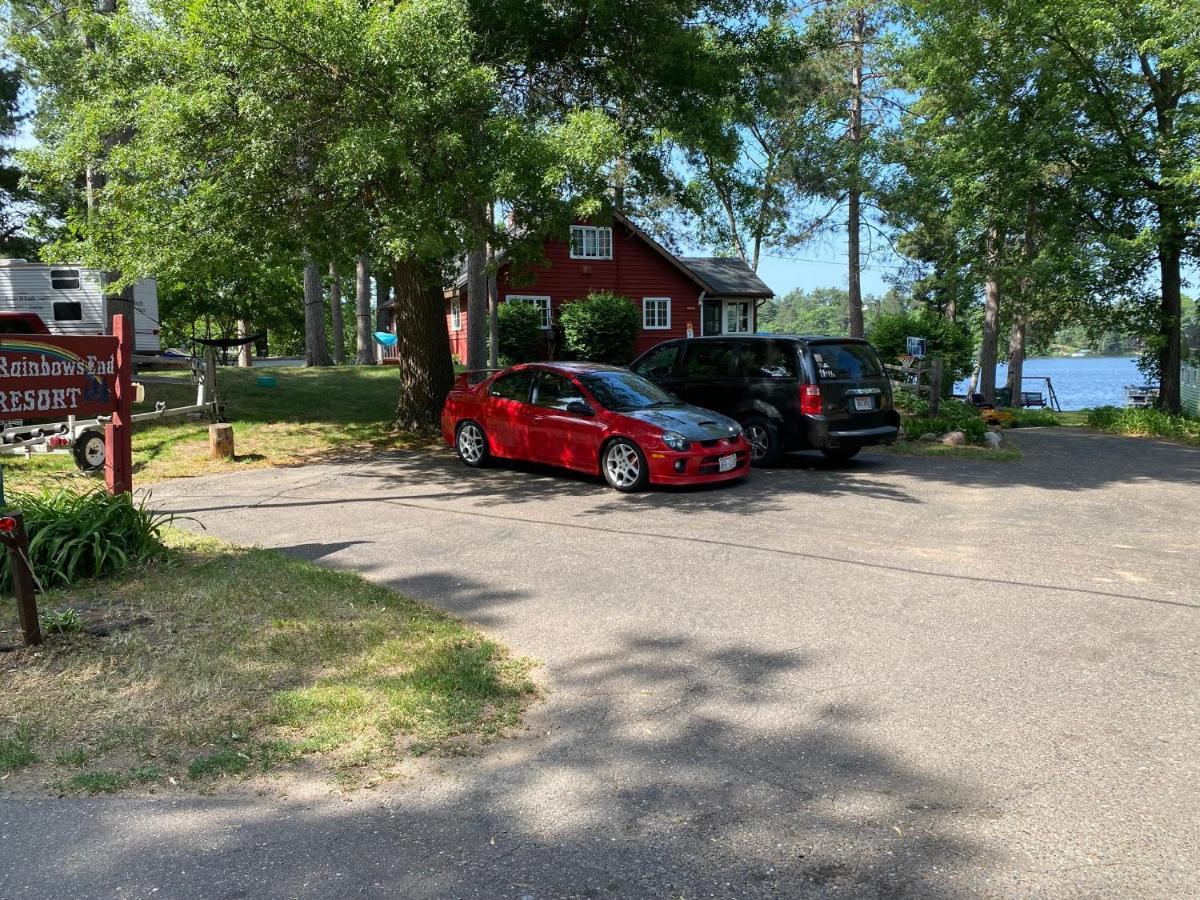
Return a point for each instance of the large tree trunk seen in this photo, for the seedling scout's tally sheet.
(991, 319)
(493, 300)
(364, 342)
(245, 357)
(335, 314)
(477, 295)
(423, 345)
(854, 201)
(1170, 355)
(316, 352)
(1016, 358)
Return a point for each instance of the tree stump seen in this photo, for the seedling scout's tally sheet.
(220, 441)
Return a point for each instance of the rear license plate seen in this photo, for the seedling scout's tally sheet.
(727, 463)
(861, 403)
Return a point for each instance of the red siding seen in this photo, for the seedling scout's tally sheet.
(636, 270)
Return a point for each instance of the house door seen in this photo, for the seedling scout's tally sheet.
(710, 323)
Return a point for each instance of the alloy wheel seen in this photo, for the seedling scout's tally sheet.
(470, 443)
(760, 441)
(622, 464)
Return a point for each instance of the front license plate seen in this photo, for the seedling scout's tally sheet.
(861, 403)
(727, 463)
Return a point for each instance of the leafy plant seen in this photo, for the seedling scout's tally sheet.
(74, 537)
(601, 328)
(1034, 418)
(1145, 423)
(522, 338)
(953, 415)
(60, 621)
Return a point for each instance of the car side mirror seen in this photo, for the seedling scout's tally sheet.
(580, 408)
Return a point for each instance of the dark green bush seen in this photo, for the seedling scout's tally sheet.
(74, 537)
(1145, 423)
(601, 328)
(950, 341)
(953, 415)
(522, 338)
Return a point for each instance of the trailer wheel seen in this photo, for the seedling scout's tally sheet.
(89, 451)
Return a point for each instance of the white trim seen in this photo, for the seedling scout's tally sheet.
(646, 308)
(602, 242)
(455, 314)
(543, 302)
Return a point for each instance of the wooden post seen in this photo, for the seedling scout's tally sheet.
(118, 435)
(220, 441)
(12, 535)
(935, 385)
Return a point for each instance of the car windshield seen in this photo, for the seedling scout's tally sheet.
(846, 362)
(624, 391)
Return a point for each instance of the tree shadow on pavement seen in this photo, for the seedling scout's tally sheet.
(659, 767)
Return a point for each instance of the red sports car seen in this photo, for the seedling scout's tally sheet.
(592, 418)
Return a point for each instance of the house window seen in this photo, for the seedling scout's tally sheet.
(64, 279)
(588, 242)
(656, 313)
(737, 317)
(455, 314)
(543, 302)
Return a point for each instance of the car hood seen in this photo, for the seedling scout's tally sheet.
(692, 422)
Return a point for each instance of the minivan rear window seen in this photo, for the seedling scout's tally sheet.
(846, 362)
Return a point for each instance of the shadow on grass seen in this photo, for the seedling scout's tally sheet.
(670, 770)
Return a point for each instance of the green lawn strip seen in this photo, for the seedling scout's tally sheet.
(1150, 423)
(248, 661)
(959, 451)
(310, 414)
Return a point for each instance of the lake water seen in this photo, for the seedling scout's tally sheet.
(1081, 382)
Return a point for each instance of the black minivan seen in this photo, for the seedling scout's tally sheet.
(789, 392)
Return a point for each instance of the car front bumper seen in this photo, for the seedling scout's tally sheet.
(699, 465)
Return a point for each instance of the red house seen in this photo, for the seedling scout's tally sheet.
(706, 295)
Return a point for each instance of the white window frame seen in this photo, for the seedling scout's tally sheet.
(455, 314)
(653, 303)
(601, 242)
(725, 317)
(543, 302)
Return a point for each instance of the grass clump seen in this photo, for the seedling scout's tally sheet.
(953, 415)
(74, 537)
(16, 751)
(1034, 418)
(1145, 423)
(245, 660)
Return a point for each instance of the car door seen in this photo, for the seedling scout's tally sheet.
(508, 414)
(660, 365)
(706, 375)
(562, 437)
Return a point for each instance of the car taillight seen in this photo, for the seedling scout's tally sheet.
(810, 400)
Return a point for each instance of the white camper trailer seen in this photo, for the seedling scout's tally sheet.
(70, 300)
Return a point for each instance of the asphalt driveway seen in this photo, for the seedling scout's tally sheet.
(901, 677)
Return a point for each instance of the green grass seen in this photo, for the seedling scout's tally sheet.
(242, 662)
(961, 451)
(313, 413)
(1145, 423)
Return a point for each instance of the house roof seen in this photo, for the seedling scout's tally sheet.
(727, 276)
(717, 275)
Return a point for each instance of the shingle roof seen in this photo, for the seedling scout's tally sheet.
(727, 276)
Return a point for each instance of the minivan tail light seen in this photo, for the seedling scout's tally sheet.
(810, 400)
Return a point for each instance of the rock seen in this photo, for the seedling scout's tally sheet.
(992, 439)
(931, 437)
(954, 439)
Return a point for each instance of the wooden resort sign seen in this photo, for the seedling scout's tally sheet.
(52, 377)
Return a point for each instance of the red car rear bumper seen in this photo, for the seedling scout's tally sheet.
(697, 466)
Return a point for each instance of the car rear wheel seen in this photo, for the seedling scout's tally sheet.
(840, 454)
(89, 451)
(765, 448)
(624, 466)
(471, 444)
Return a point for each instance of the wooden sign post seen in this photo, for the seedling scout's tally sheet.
(118, 434)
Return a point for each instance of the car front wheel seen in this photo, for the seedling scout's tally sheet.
(624, 466)
(471, 444)
(765, 447)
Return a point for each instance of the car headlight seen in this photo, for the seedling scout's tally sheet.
(675, 440)
(737, 430)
